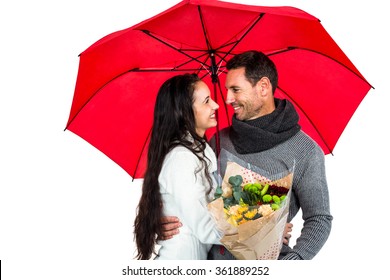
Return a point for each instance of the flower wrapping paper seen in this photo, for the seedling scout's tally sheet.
(261, 238)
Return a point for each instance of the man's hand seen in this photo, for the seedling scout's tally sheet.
(286, 233)
(170, 227)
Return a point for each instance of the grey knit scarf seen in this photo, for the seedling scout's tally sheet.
(263, 133)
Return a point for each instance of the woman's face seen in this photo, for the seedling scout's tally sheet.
(204, 108)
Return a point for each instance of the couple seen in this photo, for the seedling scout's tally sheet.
(179, 182)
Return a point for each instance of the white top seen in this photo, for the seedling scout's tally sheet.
(184, 195)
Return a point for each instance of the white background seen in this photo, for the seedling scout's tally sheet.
(66, 210)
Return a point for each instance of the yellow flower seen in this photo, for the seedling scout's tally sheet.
(250, 214)
(232, 221)
(237, 217)
(242, 209)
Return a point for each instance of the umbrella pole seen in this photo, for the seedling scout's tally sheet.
(214, 79)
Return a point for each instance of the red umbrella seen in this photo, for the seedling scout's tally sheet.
(120, 74)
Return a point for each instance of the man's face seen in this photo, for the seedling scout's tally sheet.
(245, 98)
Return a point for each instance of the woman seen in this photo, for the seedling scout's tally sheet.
(178, 180)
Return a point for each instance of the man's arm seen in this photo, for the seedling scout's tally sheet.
(312, 193)
(170, 226)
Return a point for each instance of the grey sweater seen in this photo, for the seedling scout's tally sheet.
(309, 191)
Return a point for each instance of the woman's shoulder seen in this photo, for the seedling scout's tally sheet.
(180, 154)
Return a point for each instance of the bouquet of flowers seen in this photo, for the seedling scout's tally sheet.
(251, 208)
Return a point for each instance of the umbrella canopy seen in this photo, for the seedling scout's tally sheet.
(120, 74)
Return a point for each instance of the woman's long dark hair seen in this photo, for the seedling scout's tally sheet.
(173, 120)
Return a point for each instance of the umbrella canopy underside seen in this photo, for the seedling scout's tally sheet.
(120, 74)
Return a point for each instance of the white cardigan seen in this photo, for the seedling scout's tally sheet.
(184, 195)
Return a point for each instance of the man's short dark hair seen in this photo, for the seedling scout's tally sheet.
(257, 65)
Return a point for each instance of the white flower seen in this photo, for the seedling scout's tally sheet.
(265, 210)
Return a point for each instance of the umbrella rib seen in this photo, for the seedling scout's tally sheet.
(204, 29)
(320, 53)
(92, 96)
(303, 112)
(147, 32)
(162, 70)
(224, 102)
(197, 59)
(296, 104)
(117, 76)
(235, 43)
(243, 35)
(140, 155)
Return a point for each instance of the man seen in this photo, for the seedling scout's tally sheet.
(265, 132)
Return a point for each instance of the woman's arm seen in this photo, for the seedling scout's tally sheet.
(188, 191)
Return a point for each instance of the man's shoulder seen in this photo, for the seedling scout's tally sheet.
(223, 136)
(305, 138)
(303, 143)
(222, 133)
